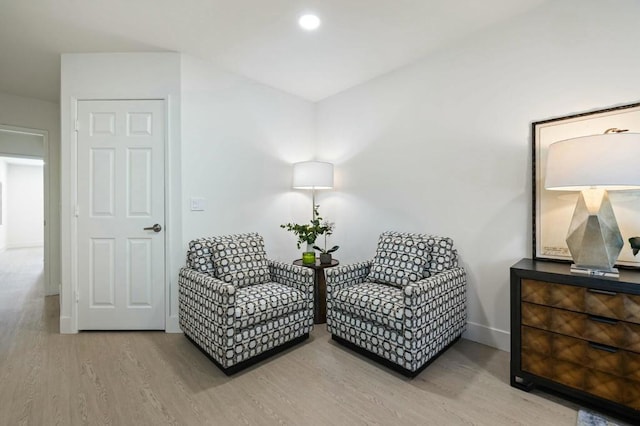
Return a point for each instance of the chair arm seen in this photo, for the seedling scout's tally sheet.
(210, 287)
(345, 276)
(421, 297)
(292, 276)
(423, 290)
(205, 301)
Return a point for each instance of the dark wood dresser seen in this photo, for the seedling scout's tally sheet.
(577, 334)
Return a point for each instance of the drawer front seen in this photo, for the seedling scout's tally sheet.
(538, 364)
(624, 307)
(631, 308)
(602, 358)
(603, 371)
(550, 294)
(605, 386)
(536, 316)
(588, 327)
(608, 304)
(631, 394)
(598, 372)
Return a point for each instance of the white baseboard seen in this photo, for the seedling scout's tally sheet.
(172, 325)
(52, 290)
(25, 245)
(66, 326)
(489, 336)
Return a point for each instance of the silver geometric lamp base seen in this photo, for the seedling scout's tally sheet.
(594, 238)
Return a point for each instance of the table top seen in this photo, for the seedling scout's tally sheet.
(317, 265)
(629, 280)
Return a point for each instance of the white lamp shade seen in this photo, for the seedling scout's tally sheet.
(313, 175)
(610, 161)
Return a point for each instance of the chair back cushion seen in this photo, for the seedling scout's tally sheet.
(400, 260)
(238, 259)
(199, 255)
(441, 255)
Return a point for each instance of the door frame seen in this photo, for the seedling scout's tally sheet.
(169, 232)
(50, 224)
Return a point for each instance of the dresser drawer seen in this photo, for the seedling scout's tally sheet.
(624, 307)
(632, 395)
(603, 371)
(557, 295)
(609, 304)
(596, 329)
(595, 356)
(613, 388)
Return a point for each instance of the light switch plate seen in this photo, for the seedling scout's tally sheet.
(197, 204)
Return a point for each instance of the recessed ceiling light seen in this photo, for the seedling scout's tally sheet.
(309, 22)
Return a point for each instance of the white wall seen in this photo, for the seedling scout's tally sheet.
(233, 146)
(18, 111)
(24, 206)
(3, 205)
(21, 144)
(120, 76)
(444, 146)
(239, 139)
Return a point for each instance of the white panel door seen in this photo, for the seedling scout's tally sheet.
(121, 282)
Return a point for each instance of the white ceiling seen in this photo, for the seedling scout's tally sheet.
(260, 39)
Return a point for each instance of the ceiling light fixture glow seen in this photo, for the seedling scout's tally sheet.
(309, 22)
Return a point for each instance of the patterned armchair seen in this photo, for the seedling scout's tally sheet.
(237, 306)
(404, 307)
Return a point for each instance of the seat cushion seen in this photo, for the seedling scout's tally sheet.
(399, 260)
(380, 303)
(240, 259)
(258, 303)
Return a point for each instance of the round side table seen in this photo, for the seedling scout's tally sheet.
(319, 288)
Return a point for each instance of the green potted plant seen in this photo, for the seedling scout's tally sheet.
(308, 233)
(325, 254)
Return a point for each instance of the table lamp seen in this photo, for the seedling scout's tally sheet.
(594, 165)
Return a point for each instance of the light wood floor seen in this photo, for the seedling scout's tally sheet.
(153, 378)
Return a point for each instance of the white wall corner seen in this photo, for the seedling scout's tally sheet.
(489, 336)
(172, 325)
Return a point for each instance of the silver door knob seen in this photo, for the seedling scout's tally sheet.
(154, 228)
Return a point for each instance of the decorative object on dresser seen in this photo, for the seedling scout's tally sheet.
(404, 307)
(634, 242)
(578, 335)
(594, 165)
(237, 306)
(553, 210)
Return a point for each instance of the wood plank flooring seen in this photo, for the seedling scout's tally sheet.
(154, 378)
